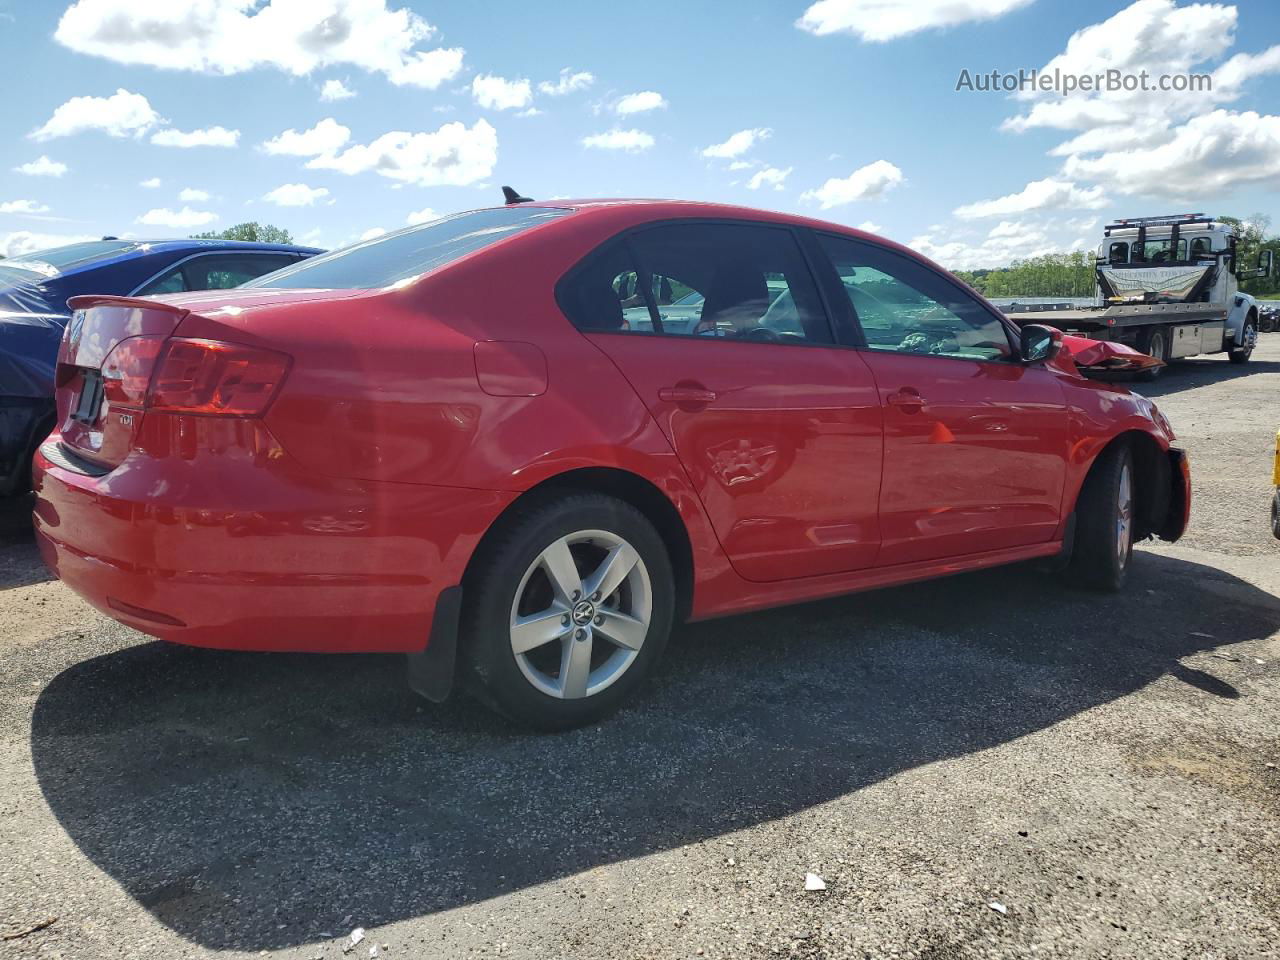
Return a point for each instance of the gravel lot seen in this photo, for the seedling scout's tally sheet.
(1103, 769)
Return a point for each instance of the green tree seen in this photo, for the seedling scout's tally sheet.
(252, 230)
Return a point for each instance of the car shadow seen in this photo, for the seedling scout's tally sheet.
(1196, 372)
(255, 801)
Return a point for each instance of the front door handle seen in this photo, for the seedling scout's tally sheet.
(686, 394)
(907, 399)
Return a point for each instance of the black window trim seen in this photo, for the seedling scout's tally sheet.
(623, 237)
(289, 254)
(1012, 335)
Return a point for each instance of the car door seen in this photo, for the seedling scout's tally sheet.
(720, 329)
(975, 441)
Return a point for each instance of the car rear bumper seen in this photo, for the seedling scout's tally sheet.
(225, 549)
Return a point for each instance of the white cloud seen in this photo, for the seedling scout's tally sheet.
(177, 219)
(738, 144)
(632, 141)
(531, 112)
(192, 195)
(569, 82)
(742, 165)
(429, 70)
(640, 102)
(881, 20)
(455, 155)
(295, 195)
(122, 114)
(233, 36)
(865, 183)
(1207, 155)
(1006, 242)
(498, 93)
(1047, 194)
(150, 184)
(326, 137)
(42, 167)
(208, 137)
(869, 226)
(334, 90)
(21, 242)
(23, 206)
(768, 177)
(372, 233)
(425, 215)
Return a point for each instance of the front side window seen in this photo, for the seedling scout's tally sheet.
(1119, 252)
(904, 307)
(408, 253)
(717, 280)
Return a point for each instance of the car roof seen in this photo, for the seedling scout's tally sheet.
(194, 244)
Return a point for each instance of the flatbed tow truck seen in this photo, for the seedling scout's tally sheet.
(1167, 286)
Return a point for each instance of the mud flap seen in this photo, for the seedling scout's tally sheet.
(431, 671)
(1178, 513)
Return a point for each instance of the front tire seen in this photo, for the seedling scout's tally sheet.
(1248, 338)
(566, 609)
(1105, 514)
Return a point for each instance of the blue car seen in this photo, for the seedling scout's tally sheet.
(34, 289)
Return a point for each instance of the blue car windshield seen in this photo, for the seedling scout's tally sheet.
(408, 253)
(56, 260)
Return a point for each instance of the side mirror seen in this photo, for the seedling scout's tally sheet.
(1265, 258)
(1039, 343)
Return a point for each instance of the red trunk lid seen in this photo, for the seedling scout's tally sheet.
(93, 425)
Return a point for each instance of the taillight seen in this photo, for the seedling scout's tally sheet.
(213, 377)
(127, 370)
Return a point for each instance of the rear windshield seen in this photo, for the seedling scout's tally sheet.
(55, 260)
(408, 253)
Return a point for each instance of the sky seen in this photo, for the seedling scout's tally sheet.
(337, 119)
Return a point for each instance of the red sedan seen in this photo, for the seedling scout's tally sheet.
(538, 435)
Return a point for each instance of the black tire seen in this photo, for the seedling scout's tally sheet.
(1102, 554)
(1275, 515)
(489, 599)
(1155, 343)
(1248, 337)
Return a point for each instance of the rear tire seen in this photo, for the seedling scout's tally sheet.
(541, 646)
(1275, 515)
(1248, 338)
(1155, 343)
(1105, 513)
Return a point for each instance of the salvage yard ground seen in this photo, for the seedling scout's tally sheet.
(1105, 769)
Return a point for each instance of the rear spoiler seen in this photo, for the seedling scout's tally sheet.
(135, 303)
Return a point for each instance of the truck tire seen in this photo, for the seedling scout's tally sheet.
(1154, 342)
(1248, 337)
(1103, 547)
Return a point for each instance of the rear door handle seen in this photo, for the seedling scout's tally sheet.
(907, 399)
(687, 394)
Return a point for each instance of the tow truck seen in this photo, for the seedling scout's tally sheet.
(1167, 286)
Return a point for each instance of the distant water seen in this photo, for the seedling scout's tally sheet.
(1074, 301)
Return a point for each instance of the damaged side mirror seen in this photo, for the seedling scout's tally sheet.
(1039, 343)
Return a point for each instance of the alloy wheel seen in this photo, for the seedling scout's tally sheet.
(581, 614)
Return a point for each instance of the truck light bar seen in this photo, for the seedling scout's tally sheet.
(1172, 220)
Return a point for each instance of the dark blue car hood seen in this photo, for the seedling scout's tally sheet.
(32, 317)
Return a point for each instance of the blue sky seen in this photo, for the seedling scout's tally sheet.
(842, 109)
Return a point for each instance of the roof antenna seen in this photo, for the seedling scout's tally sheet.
(513, 197)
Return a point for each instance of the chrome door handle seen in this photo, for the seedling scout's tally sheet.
(687, 394)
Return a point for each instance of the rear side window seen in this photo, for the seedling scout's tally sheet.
(408, 253)
(216, 272)
(723, 280)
